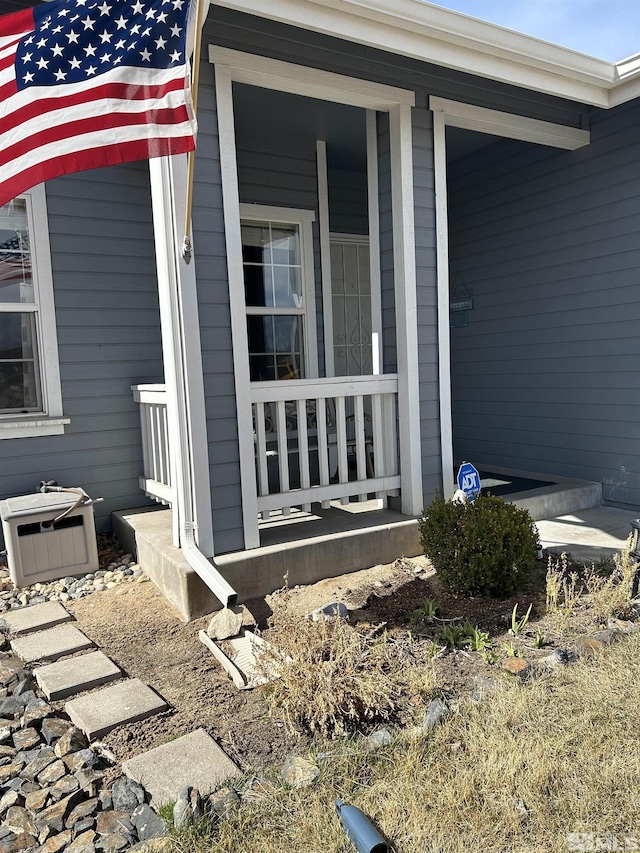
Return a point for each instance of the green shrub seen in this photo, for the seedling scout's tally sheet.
(486, 547)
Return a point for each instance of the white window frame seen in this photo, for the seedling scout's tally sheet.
(50, 420)
(303, 220)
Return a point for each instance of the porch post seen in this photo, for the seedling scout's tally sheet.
(233, 237)
(168, 192)
(442, 272)
(404, 260)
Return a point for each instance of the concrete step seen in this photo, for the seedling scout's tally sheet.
(37, 617)
(50, 644)
(194, 759)
(101, 711)
(75, 675)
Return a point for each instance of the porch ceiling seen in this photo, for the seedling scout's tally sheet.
(269, 117)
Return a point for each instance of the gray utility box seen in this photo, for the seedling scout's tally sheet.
(39, 552)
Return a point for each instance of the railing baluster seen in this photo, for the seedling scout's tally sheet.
(323, 445)
(361, 449)
(261, 450)
(378, 440)
(343, 461)
(303, 449)
(283, 451)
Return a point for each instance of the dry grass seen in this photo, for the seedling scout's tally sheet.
(611, 595)
(531, 764)
(333, 679)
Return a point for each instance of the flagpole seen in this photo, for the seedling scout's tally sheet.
(186, 243)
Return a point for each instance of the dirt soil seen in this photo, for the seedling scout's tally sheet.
(137, 628)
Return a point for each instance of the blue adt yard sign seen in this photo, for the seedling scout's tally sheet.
(469, 480)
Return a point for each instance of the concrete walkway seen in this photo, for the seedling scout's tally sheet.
(589, 534)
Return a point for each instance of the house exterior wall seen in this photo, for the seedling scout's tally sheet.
(546, 377)
(106, 298)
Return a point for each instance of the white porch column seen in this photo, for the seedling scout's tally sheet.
(404, 260)
(168, 193)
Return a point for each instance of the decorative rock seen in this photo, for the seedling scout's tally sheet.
(83, 759)
(590, 646)
(37, 800)
(26, 738)
(54, 816)
(147, 823)
(112, 822)
(299, 772)
(56, 842)
(126, 795)
(9, 799)
(18, 820)
(187, 808)
(52, 773)
(83, 843)
(63, 787)
(9, 771)
(12, 843)
(115, 841)
(623, 625)
(37, 709)
(435, 714)
(608, 636)
(88, 780)
(43, 759)
(83, 825)
(223, 802)
(226, 623)
(330, 611)
(54, 728)
(382, 737)
(81, 811)
(559, 657)
(71, 740)
(516, 666)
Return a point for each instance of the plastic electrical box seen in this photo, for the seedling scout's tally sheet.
(39, 552)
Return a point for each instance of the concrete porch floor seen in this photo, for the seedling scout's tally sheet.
(310, 546)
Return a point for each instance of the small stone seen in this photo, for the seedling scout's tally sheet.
(115, 841)
(56, 843)
(148, 824)
(104, 798)
(299, 772)
(608, 636)
(223, 802)
(590, 646)
(12, 843)
(559, 657)
(83, 759)
(126, 795)
(70, 740)
(53, 816)
(26, 738)
(9, 771)
(65, 785)
(36, 710)
(7, 751)
(11, 707)
(114, 822)
(19, 820)
(435, 714)
(44, 758)
(85, 809)
(516, 666)
(89, 780)
(187, 808)
(83, 825)
(9, 799)
(330, 611)
(37, 800)
(83, 843)
(382, 737)
(226, 623)
(56, 770)
(53, 728)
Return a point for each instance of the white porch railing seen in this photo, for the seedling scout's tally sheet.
(318, 440)
(156, 479)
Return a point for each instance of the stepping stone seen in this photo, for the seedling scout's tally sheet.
(35, 618)
(68, 677)
(99, 712)
(194, 759)
(51, 644)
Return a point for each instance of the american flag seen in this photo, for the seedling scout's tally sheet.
(15, 261)
(88, 83)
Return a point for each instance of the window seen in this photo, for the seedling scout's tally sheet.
(277, 260)
(30, 399)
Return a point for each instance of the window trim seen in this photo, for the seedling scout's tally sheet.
(49, 421)
(304, 220)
